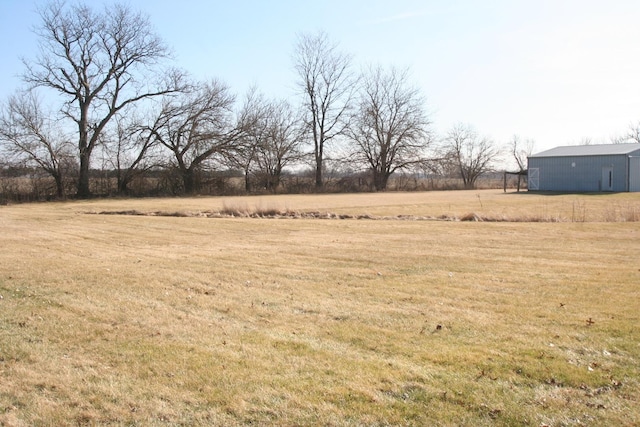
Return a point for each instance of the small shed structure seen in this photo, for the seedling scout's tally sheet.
(586, 168)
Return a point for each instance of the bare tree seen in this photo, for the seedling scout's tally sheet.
(520, 152)
(131, 148)
(631, 136)
(327, 84)
(281, 143)
(99, 63)
(272, 139)
(389, 127)
(469, 153)
(253, 111)
(196, 126)
(29, 135)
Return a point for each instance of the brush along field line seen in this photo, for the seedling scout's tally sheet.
(527, 207)
(112, 319)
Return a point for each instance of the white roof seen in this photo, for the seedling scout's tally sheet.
(589, 150)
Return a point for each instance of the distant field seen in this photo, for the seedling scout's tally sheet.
(178, 313)
(490, 204)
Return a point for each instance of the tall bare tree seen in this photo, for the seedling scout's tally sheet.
(196, 126)
(253, 111)
(327, 84)
(469, 153)
(99, 62)
(389, 127)
(30, 136)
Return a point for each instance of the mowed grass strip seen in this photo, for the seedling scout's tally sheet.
(137, 320)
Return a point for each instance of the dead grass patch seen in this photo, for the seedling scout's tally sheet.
(463, 206)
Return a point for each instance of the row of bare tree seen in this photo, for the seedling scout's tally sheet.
(107, 80)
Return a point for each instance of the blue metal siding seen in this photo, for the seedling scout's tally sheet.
(634, 173)
(580, 173)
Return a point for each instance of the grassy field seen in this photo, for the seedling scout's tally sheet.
(171, 317)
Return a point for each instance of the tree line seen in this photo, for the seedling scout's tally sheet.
(116, 92)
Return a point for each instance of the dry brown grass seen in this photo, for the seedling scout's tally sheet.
(486, 205)
(153, 320)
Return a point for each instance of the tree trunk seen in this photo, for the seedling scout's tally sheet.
(84, 190)
(59, 185)
(247, 180)
(188, 180)
(504, 181)
(318, 173)
(123, 184)
(274, 182)
(380, 180)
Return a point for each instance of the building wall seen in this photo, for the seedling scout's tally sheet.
(634, 173)
(580, 173)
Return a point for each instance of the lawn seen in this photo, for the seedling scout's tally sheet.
(179, 313)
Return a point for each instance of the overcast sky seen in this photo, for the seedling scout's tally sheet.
(556, 71)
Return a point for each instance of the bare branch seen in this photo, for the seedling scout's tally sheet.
(470, 154)
(99, 62)
(389, 129)
(520, 151)
(196, 125)
(27, 133)
(327, 85)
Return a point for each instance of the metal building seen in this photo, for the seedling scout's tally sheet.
(586, 168)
